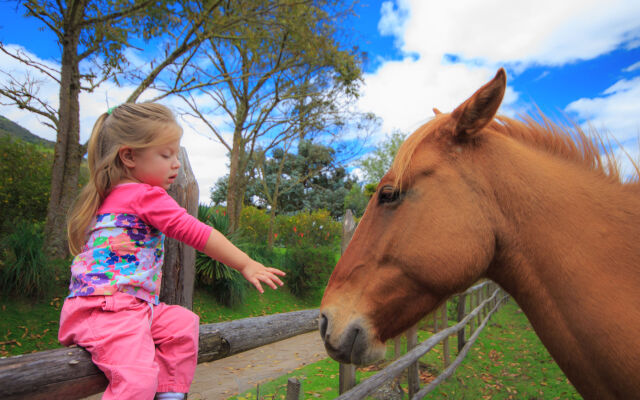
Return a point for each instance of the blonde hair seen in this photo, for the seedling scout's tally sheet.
(132, 125)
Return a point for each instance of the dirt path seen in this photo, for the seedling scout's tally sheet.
(223, 378)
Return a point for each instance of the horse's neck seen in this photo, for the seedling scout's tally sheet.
(569, 253)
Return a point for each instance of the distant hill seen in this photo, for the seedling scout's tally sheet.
(8, 127)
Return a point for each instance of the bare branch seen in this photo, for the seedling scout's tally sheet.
(24, 96)
(197, 113)
(22, 57)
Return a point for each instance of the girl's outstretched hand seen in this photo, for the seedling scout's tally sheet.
(255, 273)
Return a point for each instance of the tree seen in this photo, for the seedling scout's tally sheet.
(376, 165)
(356, 200)
(86, 30)
(96, 34)
(279, 77)
(286, 182)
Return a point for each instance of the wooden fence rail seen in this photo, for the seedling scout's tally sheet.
(68, 373)
(403, 363)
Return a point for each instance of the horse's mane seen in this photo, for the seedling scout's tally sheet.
(568, 142)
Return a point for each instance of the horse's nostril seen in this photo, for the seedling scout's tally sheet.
(324, 322)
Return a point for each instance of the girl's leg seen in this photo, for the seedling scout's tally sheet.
(175, 332)
(115, 330)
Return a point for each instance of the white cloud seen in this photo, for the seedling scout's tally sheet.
(632, 67)
(517, 31)
(615, 114)
(392, 19)
(404, 92)
(482, 36)
(617, 110)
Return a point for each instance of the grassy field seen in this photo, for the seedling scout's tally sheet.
(507, 362)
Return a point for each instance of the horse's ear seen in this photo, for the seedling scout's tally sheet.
(436, 111)
(475, 113)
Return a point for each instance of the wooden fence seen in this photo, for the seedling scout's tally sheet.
(68, 373)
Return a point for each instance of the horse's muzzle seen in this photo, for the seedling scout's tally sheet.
(351, 346)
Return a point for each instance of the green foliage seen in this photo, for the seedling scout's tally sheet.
(254, 224)
(308, 269)
(24, 269)
(25, 180)
(227, 284)
(311, 179)
(309, 229)
(378, 163)
(356, 200)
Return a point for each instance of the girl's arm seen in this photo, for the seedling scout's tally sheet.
(220, 248)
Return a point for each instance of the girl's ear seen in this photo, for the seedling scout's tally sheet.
(126, 156)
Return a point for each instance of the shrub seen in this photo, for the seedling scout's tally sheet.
(24, 268)
(314, 229)
(254, 224)
(228, 285)
(25, 180)
(308, 269)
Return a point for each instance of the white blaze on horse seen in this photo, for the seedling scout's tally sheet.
(534, 208)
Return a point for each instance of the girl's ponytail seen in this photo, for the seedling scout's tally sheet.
(86, 204)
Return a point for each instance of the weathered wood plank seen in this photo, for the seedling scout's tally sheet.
(68, 373)
(178, 269)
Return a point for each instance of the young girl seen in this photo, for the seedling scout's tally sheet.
(116, 232)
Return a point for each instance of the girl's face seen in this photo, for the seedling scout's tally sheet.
(155, 165)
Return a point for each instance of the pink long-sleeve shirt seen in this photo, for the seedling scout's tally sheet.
(125, 246)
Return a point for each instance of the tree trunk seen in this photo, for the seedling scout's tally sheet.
(237, 182)
(67, 152)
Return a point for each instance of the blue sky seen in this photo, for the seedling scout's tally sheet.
(576, 58)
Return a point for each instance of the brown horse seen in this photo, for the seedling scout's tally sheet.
(527, 205)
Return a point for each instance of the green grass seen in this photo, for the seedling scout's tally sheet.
(254, 305)
(28, 325)
(506, 362)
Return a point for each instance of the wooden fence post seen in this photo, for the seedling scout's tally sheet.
(178, 270)
(397, 347)
(471, 307)
(445, 341)
(347, 372)
(294, 389)
(478, 301)
(413, 372)
(462, 300)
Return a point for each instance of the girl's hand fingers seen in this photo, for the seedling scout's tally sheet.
(276, 271)
(271, 280)
(256, 283)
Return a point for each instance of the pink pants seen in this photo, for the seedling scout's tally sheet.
(141, 350)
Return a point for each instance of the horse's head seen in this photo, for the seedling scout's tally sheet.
(426, 234)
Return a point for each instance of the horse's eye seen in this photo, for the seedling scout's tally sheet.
(388, 194)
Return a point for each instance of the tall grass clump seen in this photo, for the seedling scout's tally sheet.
(24, 268)
(227, 285)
